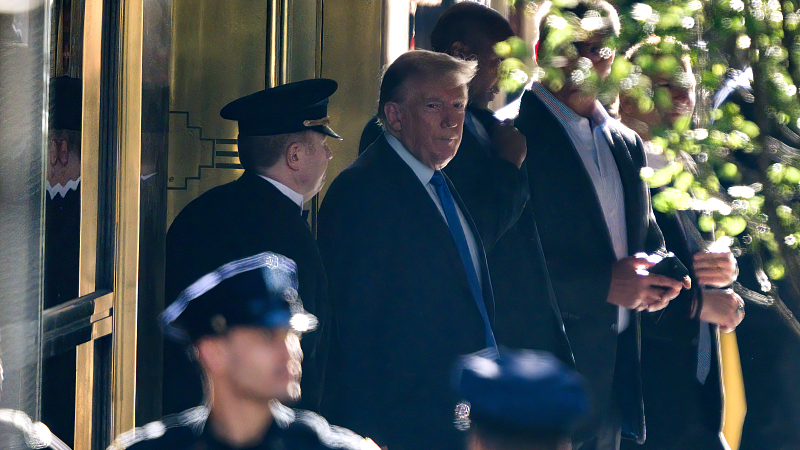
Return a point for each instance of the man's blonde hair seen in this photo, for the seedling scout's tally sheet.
(422, 66)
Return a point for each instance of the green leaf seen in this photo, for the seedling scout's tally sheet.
(792, 175)
(750, 129)
(729, 172)
(775, 270)
(706, 223)
(683, 181)
(733, 225)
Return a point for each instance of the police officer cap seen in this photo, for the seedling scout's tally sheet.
(288, 108)
(260, 290)
(522, 390)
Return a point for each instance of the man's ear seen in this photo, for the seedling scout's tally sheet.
(627, 105)
(460, 50)
(394, 116)
(293, 155)
(210, 354)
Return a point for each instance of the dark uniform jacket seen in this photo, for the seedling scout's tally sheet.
(230, 222)
(401, 303)
(291, 429)
(580, 254)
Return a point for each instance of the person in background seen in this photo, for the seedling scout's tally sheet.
(519, 400)
(680, 350)
(593, 215)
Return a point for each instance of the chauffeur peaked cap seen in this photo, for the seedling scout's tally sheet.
(288, 108)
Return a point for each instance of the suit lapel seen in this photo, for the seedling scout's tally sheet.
(486, 283)
(562, 152)
(636, 200)
(421, 207)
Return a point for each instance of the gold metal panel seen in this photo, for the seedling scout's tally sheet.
(353, 59)
(126, 263)
(84, 384)
(102, 328)
(90, 145)
(204, 77)
(189, 151)
(303, 41)
(218, 54)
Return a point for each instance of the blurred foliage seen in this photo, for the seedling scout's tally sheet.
(739, 163)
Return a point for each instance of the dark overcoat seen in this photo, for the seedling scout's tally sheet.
(580, 255)
(229, 222)
(401, 305)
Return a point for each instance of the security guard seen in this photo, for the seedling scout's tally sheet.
(519, 400)
(283, 147)
(243, 321)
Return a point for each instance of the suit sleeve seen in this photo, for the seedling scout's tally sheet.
(494, 190)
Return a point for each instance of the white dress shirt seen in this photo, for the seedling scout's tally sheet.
(287, 191)
(591, 138)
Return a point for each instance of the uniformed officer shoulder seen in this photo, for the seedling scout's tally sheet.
(178, 427)
(329, 436)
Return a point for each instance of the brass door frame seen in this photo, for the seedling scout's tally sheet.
(116, 311)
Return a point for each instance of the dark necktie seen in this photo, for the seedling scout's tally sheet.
(454, 223)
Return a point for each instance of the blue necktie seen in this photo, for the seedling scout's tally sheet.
(703, 353)
(454, 223)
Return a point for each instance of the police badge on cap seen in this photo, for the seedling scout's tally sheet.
(288, 108)
(257, 291)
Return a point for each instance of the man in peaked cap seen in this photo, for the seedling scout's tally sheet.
(282, 134)
(519, 400)
(243, 321)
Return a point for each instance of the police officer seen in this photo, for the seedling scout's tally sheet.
(519, 400)
(243, 322)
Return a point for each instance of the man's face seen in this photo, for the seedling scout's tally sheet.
(681, 93)
(674, 97)
(597, 50)
(260, 364)
(317, 155)
(431, 120)
(483, 87)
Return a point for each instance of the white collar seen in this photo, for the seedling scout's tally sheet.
(423, 172)
(287, 191)
(564, 113)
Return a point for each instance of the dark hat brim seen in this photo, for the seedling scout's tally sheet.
(324, 129)
(284, 109)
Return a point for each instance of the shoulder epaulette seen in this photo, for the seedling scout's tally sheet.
(193, 419)
(329, 435)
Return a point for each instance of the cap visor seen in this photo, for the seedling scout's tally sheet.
(324, 129)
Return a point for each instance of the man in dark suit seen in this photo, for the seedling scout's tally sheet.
(593, 211)
(282, 147)
(409, 287)
(487, 171)
(487, 167)
(680, 358)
